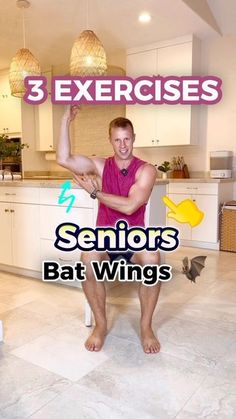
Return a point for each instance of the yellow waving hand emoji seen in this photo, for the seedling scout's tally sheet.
(185, 212)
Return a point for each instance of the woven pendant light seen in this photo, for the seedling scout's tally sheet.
(88, 57)
(23, 63)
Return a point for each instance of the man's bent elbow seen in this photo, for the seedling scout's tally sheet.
(131, 210)
(60, 161)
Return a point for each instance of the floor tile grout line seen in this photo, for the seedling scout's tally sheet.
(194, 392)
(42, 407)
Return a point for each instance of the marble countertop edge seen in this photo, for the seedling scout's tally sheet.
(50, 183)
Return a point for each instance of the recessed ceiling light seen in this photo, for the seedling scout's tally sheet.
(144, 17)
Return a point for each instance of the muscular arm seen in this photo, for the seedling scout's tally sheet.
(138, 195)
(76, 163)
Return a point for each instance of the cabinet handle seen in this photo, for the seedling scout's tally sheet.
(66, 260)
(6, 210)
(188, 187)
(12, 210)
(6, 193)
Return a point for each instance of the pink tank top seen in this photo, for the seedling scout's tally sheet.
(114, 182)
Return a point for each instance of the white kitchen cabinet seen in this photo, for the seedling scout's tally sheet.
(83, 214)
(6, 235)
(207, 230)
(163, 125)
(25, 233)
(52, 216)
(10, 108)
(184, 229)
(207, 197)
(47, 121)
(19, 228)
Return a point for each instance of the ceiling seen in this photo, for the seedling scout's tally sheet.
(53, 25)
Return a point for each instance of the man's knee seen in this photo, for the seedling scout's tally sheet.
(148, 258)
(88, 257)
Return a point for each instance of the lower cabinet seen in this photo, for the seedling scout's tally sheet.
(207, 230)
(207, 197)
(19, 240)
(29, 217)
(6, 234)
(50, 218)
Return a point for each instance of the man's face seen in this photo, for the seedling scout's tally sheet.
(122, 140)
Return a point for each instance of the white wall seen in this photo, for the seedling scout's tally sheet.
(220, 60)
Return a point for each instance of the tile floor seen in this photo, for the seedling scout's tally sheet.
(46, 373)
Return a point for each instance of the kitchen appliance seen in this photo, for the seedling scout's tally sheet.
(221, 164)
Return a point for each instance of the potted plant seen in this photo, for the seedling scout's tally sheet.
(9, 149)
(164, 168)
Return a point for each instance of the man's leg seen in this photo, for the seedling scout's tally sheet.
(96, 296)
(148, 296)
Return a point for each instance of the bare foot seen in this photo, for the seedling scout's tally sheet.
(96, 339)
(151, 344)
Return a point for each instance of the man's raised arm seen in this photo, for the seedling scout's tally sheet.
(74, 162)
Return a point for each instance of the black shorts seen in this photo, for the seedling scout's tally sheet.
(120, 255)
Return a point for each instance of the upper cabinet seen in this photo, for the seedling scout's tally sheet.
(164, 125)
(10, 108)
(47, 121)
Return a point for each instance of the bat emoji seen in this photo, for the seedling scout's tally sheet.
(196, 266)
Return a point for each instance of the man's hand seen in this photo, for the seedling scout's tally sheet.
(71, 112)
(88, 183)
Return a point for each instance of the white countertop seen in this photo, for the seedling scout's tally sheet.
(56, 183)
(201, 180)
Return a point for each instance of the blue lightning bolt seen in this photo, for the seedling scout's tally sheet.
(62, 198)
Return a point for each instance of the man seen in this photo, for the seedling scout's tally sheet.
(122, 184)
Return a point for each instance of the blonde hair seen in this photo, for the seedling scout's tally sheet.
(120, 123)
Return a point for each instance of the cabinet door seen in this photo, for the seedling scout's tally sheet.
(52, 216)
(5, 235)
(174, 122)
(142, 64)
(162, 125)
(25, 236)
(207, 231)
(184, 229)
(143, 117)
(10, 108)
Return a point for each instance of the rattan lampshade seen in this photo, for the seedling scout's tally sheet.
(88, 57)
(23, 64)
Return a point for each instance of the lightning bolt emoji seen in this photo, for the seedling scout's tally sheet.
(63, 198)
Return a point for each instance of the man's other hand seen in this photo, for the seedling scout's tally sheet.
(86, 182)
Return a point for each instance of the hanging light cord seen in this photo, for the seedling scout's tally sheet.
(87, 13)
(23, 24)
